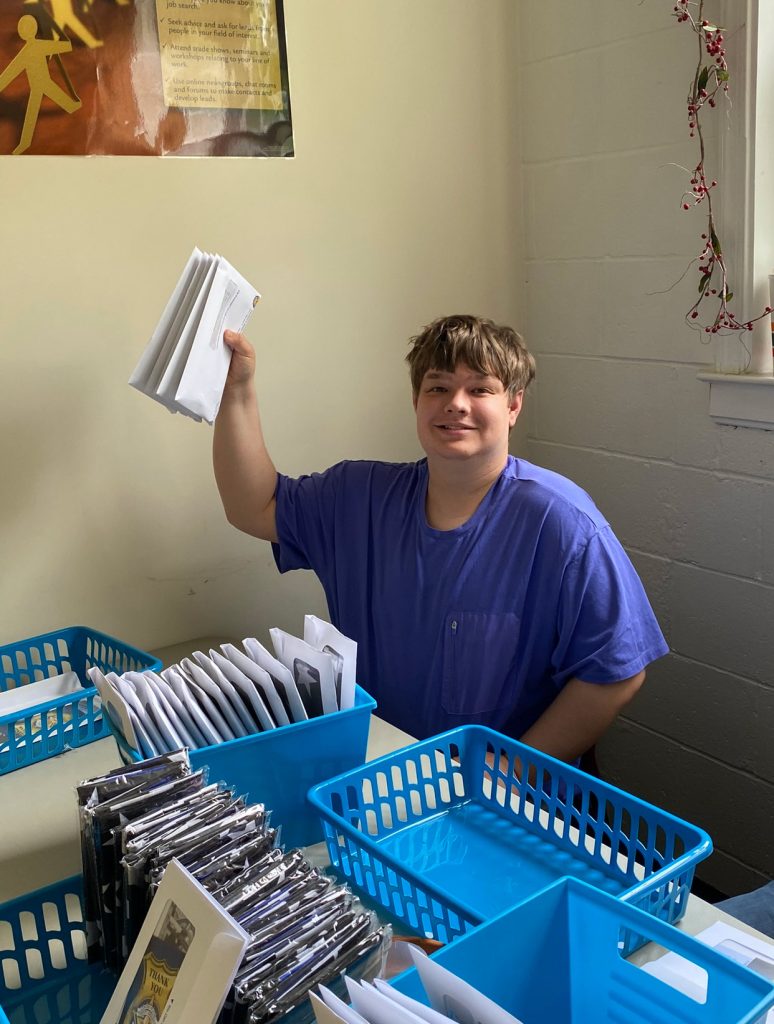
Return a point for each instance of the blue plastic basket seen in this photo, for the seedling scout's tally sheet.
(276, 768)
(44, 975)
(70, 721)
(558, 957)
(448, 832)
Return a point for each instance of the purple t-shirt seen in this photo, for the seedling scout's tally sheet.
(481, 624)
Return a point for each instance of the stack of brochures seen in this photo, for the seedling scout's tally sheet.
(232, 692)
(188, 893)
(450, 1000)
(185, 363)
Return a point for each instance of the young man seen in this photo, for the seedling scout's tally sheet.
(479, 588)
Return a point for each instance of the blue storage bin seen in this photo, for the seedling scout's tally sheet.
(556, 958)
(70, 721)
(44, 976)
(444, 834)
(277, 768)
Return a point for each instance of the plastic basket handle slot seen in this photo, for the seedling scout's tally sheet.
(715, 984)
(683, 976)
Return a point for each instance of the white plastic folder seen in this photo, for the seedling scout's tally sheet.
(185, 363)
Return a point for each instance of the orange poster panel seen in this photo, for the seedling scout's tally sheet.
(144, 78)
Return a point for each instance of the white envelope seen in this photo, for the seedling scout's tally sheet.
(150, 381)
(230, 302)
(425, 1013)
(281, 676)
(333, 1010)
(142, 722)
(261, 679)
(324, 637)
(209, 708)
(185, 364)
(184, 916)
(377, 1008)
(181, 686)
(245, 686)
(21, 698)
(313, 672)
(242, 707)
(174, 709)
(119, 712)
(219, 698)
(451, 995)
(155, 710)
(173, 371)
(183, 712)
(164, 334)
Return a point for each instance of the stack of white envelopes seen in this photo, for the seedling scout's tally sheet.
(185, 363)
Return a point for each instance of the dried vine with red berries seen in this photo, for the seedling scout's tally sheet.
(710, 82)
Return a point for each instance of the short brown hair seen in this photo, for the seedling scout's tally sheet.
(484, 346)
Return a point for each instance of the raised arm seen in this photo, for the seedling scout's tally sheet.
(579, 715)
(244, 471)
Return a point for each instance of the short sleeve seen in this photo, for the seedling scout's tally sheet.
(606, 627)
(304, 517)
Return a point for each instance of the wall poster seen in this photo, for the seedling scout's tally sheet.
(144, 78)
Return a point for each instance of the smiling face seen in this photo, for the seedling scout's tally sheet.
(463, 414)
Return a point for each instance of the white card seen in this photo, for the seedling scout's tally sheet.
(183, 713)
(174, 709)
(330, 1009)
(155, 740)
(204, 682)
(163, 333)
(155, 710)
(195, 947)
(456, 998)
(282, 677)
(245, 686)
(377, 1008)
(210, 710)
(425, 1013)
(148, 385)
(230, 302)
(185, 363)
(119, 712)
(242, 708)
(173, 372)
(21, 698)
(182, 688)
(262, 679)
(313, 672)
(324, 637)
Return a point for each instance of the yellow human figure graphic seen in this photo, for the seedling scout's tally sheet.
(65, 17)
(33, 59)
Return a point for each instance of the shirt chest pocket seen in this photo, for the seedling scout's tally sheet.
(479, 661)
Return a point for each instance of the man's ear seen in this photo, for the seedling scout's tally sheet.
(414, 397)
(514, 406)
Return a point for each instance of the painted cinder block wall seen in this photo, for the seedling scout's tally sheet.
(618, 408)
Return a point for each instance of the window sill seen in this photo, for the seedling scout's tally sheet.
(741, 400)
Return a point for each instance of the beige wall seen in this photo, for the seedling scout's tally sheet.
(400, 205)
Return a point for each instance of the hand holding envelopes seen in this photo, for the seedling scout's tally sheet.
(185, 364)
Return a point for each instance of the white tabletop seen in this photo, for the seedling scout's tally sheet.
(39, 841)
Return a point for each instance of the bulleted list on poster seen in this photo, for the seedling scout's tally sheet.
(220, 53)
